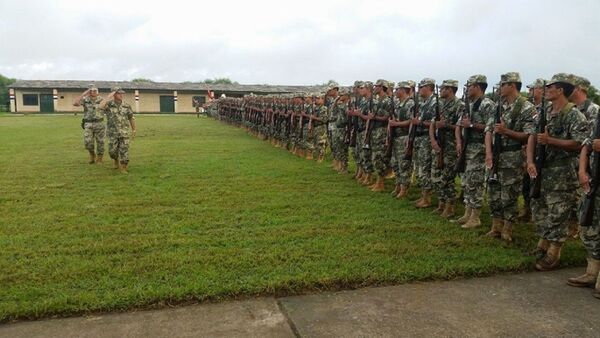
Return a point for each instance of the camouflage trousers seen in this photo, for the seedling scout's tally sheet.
(94, 133)
(339, 148)
(554, 209)
(590, 236)
(443, 178)
(422, 159)
(380, 162)
(320, 139)
(306, 141)
(402, 167)
(118, 149)
(365, 154)
(503, 194)
(473, 179)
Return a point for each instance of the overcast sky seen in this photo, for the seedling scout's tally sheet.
(301, 42)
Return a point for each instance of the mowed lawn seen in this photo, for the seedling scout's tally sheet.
(207, 212)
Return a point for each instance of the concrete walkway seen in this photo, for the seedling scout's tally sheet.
(524, 305)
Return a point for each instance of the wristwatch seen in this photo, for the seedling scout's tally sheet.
(471, 125)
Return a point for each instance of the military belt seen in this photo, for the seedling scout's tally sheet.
(512, 147)
(563, 162)
(92, 121)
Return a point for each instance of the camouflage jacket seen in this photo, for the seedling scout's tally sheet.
(451, 111)
(118, 116)
(481, 115)
(340, 115)
(90, 108)
(403, 111)
(426, 112)
(517, 116)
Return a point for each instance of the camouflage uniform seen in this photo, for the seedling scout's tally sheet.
(365, 154)
(119, 129)
(518, 117)
(443, 178)
(590, 236)
(558, 196)
(382, 108)
(320, 130)
(306, 142)
(339, 120)
(422, 147)
(93, 124)
(474, 176)
(402, 112)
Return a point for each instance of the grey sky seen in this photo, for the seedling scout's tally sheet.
(304, 42)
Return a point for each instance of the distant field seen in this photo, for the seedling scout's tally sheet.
(207, 213)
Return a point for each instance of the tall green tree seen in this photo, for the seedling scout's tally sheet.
(4, 83)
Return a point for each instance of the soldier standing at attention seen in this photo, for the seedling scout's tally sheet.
(443, 174)
(379, 118)
(402, 115)
(514, 128)
(319, 127)
(340, 112)
(565, 131)
(121, 127)
(473, 126)
(94, 130)
(580, 98)
(590, 235)
(365, 105)
(422, 146)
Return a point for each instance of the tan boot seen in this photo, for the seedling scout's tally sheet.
(367, 179)
(425, 201)
(597, 289)
(439, 209)
(588, 279)
(124, 168)
(98, 159)
(403, 192)
(448, 210)
(320, 158)
(343, 168)
(474, 221)
(552, 258)
(507, 231)
(541, 248)
(464, 218)
(115, 164)
(390, 173)
(92, 157)
(574, 229)
(359, 175)
(309, 155)
(496, 230)
(379, 184)
(396, 190)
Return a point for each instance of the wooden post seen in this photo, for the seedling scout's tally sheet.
(55, 99)
(13, 100)
(137, 101)
(175, 101)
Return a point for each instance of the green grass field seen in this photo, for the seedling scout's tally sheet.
(207, 212)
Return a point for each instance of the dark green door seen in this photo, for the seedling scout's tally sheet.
(167, 104)
(46, 103)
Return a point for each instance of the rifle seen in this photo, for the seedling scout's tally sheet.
(301, 120)
(412, 130)
(461, 162)
(349, 125)
(439, 135)
(310, 122)
(389, 139)
(369, 127)
(587, 209)
(497, 145)
(354, 124)
(540, 151)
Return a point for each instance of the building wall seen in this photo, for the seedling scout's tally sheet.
(149, 100)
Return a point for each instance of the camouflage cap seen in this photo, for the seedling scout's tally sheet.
(477, 78)
(426, 82)
(510, 77)
(581, 82)
(333, 85)
(359, 84)
(450, 83)
(92, 87)
(406, 84)
(382, 82)
(117, 90)
(560, 77)
(344, 92)
(368, 84)
(538, 83)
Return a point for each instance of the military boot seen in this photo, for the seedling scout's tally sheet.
(309, 155)
(474, 221)
(124, 168)
(448, 210)
(425, 202)
(366, 179)
(115, 164)
(590, 276)
(92, 157)
(464, 218)
(597, 288)
(98, 159)
(403, 192)
(496, 230)
(552, 258)
(540, 249)
(396, 190)
(507, 231)
(359, 175)
(321, 158)
(439, 209)
(379, 184)
(344, 168)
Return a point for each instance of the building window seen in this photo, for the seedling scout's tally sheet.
(198, 101)
(30, 99)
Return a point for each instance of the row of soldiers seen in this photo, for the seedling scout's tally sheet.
(494, 143)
